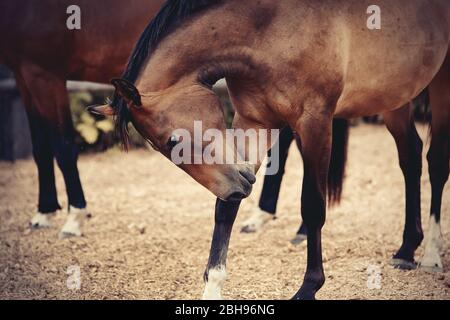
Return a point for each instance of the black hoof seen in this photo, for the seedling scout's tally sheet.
(248, 229)
(299, 238)
(402, 264)
(305, 296)
(309, 288)
(36, 226)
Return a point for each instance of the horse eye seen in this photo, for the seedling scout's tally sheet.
(172, 142)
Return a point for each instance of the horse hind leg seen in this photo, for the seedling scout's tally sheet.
(51, 104)
(438, 164)
(301, 234)
(271, 187)
(401, 125)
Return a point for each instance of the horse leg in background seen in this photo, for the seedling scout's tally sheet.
(400, 124)
(271, 187)
(301, 234)
(215, 273)
(316, 135)
(438, 164)
(51, 103)
(43, 157)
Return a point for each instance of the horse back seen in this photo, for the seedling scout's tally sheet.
(33, 30)
(37, 32)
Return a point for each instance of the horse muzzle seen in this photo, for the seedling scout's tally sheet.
(242, 187)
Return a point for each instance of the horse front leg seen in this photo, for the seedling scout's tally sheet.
(315, 135)
(215, 273)
(225, 215)
(66, 153)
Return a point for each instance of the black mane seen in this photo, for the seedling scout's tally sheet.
(172, 12)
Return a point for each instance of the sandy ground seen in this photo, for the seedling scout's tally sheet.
(128, 193)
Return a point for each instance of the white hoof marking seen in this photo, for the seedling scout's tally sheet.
(431, 259)
(256, 221)
(74, 224)
(213, 287)
(41, 220)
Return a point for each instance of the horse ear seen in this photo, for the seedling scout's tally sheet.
(103, 110)
(127, 91)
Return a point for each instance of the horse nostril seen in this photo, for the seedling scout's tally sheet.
(250, 177)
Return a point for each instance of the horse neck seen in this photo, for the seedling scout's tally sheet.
(212, 51)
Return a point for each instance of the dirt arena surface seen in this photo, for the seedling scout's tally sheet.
(150, 233)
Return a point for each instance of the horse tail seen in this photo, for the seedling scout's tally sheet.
(336, 171)
(421, 105)
(422, 109)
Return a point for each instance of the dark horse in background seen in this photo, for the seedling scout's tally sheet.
(41, 51)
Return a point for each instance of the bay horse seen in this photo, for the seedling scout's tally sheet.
(43, 53)
(292, 62)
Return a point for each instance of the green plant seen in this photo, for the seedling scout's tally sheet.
(96, 133)
(86, 125)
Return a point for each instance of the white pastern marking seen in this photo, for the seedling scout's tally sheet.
(216, 280)
(257, 221)
(74, 224)
(433, 248)
(41, 220)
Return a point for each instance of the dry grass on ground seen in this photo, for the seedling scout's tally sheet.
(128, 193)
